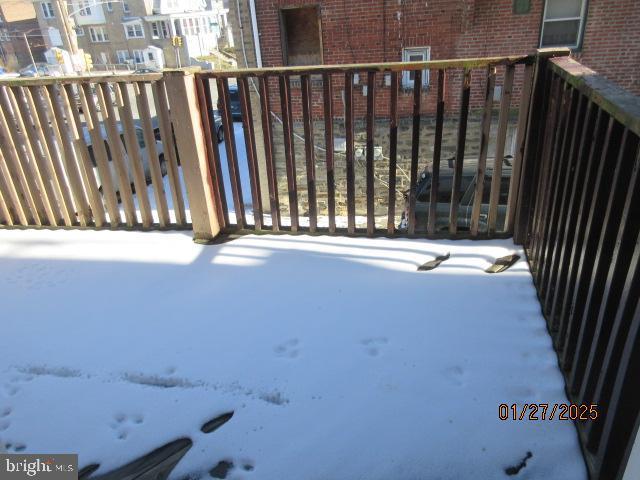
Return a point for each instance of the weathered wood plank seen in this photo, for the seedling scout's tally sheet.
(267, 135)
(462, 136)
(521, 137)
(134, 155)
(64, 133)
(289, 153)
(142, 99)
(48, 136)
(309, 151)
(371, 121)
(393, 152)
(415, 149)
(327, 85)
(14, 167)
(437, 149)
(377, 67)
(484, 148)
(250, 147)
(203, 90)
(182, 90)
(616, 101)
(117, 153)
(22, 146)
(561, 304)
(169, 147)
(89, 181)
(348, 125)
(100, 153)
(501, 136)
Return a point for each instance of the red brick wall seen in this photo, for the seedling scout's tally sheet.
(378, 30)
(612, 41)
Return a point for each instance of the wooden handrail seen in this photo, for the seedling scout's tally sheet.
(373, 67)
(617, 102)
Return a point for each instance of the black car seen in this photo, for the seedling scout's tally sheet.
(234, 97)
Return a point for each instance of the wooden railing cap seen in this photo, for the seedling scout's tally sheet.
(613, 99)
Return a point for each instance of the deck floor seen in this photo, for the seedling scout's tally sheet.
(339, 360)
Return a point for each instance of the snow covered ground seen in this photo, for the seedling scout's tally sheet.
(338, 358)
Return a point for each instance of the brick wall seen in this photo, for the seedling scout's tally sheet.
(377, 31)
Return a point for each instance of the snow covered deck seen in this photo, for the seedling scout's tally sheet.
(338, 359)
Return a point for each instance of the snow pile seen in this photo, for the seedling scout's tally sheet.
(338, 359)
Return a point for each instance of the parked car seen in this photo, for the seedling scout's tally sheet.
(142, 71)
(43, 69)
(6, 74)
(144, 151)
(217, 125)
(96, 102)
(466, 195)
(234, 97)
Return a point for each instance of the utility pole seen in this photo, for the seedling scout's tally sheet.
(69, 38)
(35, 68)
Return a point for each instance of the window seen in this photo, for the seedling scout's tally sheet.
(138, 56)
(134, 30)
(85, 10)
(563, 23)
(159, 30)
(79, 31)
(98, 34)
(109, 6)
(422, 54)
(47, 10)
(4, 36)
(123, 56)
(125, 7)
(301, 38)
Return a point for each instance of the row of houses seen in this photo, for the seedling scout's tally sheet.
(118, 34)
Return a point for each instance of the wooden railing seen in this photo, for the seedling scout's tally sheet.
(324, 96)
(580, 223)
(88, 152)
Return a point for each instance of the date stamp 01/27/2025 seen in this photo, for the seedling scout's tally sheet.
(547, 411)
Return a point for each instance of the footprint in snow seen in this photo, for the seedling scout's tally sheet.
(373, 345)
(288, 349)
(122, 424)
(455, 375)
(224, 467)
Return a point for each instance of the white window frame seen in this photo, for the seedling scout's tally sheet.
(85, 10)
(79, 31)
(133, 25)
(98, 35)
(138, 56)
(47, 10)
(425, 52)
(160, 29)
(125, 7)
(4, 36)
(109, 6)
(123, 56)
(582, 18)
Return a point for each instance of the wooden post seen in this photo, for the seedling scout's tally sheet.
(535, 134)
(185, 116)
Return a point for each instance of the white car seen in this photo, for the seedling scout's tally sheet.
(144, 151)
